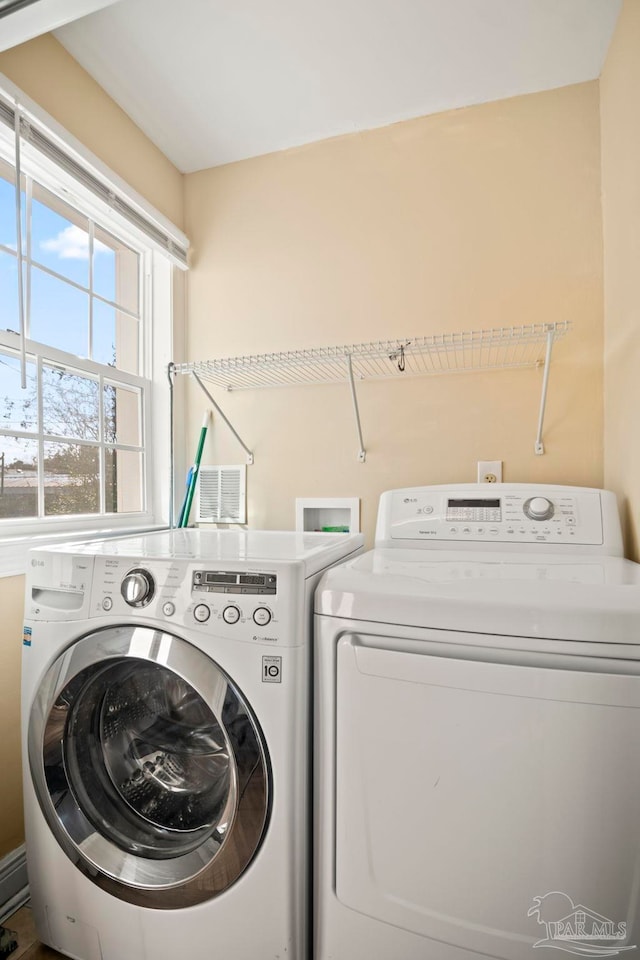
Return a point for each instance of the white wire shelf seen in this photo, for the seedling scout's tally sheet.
(499, 348)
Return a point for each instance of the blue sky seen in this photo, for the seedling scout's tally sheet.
(59, 312)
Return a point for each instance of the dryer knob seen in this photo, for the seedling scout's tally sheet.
(538, 508)
(138, 588)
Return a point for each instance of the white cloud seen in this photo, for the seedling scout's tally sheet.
(72, 243)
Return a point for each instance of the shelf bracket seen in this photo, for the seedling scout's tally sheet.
(539, 446)
(216, 407)
(362, 453)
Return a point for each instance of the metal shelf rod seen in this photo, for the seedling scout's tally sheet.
(222, 415)
(539, 446)
(362, 453)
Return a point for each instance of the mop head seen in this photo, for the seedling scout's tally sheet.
(8, 942)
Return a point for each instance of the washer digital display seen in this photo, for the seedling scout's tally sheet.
(226, 581)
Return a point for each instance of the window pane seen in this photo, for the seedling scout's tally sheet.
(71, 479)
(7, 206)
(116, 271)
(69, 404)
(18, 477)
(59, 314)
(104, 333)
(122, 415)
(123, 481)
(18, 407)
(9, 317)
(59, 236)
(115, 337)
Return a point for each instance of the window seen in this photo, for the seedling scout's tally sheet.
(72, 442)
(78, 364)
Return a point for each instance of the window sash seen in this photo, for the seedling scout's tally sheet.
(42, 356)
(30, 260)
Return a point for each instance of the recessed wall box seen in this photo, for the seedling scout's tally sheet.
(328, 514)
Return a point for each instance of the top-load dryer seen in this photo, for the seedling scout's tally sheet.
(478, 722)
(166, 709)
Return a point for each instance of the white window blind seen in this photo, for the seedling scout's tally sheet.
(45, 144)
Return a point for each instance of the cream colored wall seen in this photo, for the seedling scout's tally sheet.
(620, 119)
(46, 72)
(464, 220)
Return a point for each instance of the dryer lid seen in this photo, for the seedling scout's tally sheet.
(570, 598)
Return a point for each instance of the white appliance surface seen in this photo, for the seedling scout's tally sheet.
(274, 545)
(165, 708)
(477, 721)
(563, 598)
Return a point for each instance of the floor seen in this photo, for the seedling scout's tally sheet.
(21, 923)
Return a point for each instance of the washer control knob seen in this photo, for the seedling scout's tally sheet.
(107, 603)
(138, 588)
(202, 613)
(538, 508)
(230, 614)
(262, 616)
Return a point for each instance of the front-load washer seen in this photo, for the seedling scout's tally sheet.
(166, 702)
(478, 731)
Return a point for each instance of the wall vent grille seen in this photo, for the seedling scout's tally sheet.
(222, 494)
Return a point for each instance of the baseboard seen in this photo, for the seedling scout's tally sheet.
(14, 885)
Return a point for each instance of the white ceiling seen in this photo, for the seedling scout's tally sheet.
(213, 81)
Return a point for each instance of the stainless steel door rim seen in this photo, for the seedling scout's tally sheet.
(149, 767)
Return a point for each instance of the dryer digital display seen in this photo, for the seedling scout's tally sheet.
(474, 509)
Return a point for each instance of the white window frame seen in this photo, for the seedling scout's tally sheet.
(32, 21)
(157, 346)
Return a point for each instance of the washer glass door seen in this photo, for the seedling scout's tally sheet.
(149, 766)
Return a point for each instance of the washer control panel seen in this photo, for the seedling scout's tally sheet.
(240, 588)
(498, 513)
(252, 603)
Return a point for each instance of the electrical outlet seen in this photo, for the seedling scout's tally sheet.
(489, 471)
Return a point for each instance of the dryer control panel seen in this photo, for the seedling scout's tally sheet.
(481, 515)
